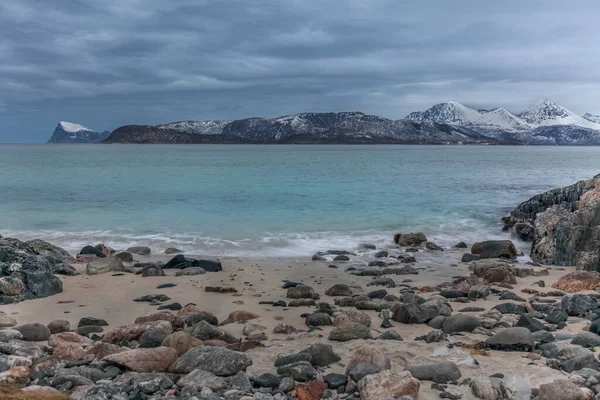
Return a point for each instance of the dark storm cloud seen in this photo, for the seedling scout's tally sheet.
(109, 63)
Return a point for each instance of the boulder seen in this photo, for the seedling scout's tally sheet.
(530, 323)
(217, 360)
(560, 389)
(511, 339)
(92, 321)
(172, 250)
(366, 354)
(410, 313)
(495, 249)
(388, 385)
(493, 271)
(460, 323)
(312, 390)
(6, 321)
(181, 342)
(321, 355)
(578, 281)
(101, 350)
(139, 250)
(302, 292)
(157, 359)
(128, 333)
(68, 337)
(318, 319)
(91, 250)
(441, 372)
(578, 304)
(409, 239)
(34, 332)
(468, 257)
(105, 265)
(352, 316)
(125, 256)
(198, 379)
(155, 336)
(205, 331)
(58, 326)
(339, 289)
(349, 331)
(565, 223)
(177, 323)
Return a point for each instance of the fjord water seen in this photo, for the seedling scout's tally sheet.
(272, 200)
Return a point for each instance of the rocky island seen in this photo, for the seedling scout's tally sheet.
(411, 320)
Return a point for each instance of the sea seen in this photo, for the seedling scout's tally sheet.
(263, 201)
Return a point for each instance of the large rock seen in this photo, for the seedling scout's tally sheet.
(440, 372)
(321, 355)
(181, 262)
(34, 332)
(302, 292)
(158, 359)
(128, 333)
(105, 265)
(352, 316)
(205, 331)
(139, 250)
(493, 271)
(578, 304)
(560, 389)
(198, 379)
(565, 225)
(181, 342)
(349, 331)
(388, 385)
(495, 249)
(409, 239)
(217, 360)
(460, 323)
(578, 281)
(6, 321)
(412, 313)
(511, 339)
(366, 354)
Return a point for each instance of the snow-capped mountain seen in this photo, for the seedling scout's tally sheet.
(453, 113)
(499, 121)
(68, 132)
(592, 117)
(547, 113)
(197, 127)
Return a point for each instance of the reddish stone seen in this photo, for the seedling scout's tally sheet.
(312, 390)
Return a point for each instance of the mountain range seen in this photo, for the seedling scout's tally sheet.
(68, 132)
(544, 123)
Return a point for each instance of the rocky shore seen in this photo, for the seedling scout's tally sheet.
(412, 320)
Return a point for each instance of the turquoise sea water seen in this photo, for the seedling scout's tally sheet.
(272, 200)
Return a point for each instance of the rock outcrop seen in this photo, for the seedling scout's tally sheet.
(564, 224)
(27, 270)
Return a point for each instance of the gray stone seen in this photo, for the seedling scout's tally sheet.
(349, 331)
(335, 381)
(578, 304)
(585, 339)
(301, 371)
(460, 323)
(318, 319)
(139, 250)
(34, 332)
(154, 336)
(105, 265)
(59, 326)
(302, 292)
(205, 331)
(361, 370)
(556, 316)
(441, 372)
(218, 360)
(198, 379)
(321, 355)
(241, 381)
(292, 358)
(530, 323)
(511, 338)
(560, 389)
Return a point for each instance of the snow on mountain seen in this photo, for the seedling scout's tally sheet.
(197, 127)
(454, 113)
(499, 120)
(68, 132)
(73, 128)
(592, 117)
(547, 113)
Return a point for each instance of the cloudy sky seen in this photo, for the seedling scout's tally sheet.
(114, 62)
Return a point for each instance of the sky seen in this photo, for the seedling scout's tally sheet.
(110, 63)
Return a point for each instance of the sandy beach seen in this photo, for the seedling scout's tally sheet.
(111, 298)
